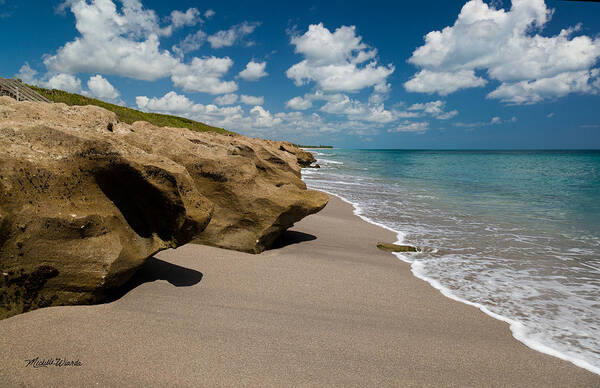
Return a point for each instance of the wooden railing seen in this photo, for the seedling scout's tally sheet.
(19, 91)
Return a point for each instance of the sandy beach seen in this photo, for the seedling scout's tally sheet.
(326, 308)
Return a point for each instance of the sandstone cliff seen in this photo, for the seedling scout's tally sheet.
(85, 199)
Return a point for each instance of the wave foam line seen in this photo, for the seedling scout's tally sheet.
(321, 160)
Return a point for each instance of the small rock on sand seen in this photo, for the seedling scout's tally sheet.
(396, 248)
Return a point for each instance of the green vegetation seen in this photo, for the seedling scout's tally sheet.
(128, 115)
(313, 146)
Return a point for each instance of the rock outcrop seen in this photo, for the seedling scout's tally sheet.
(255, 185)
(304, 158)
(396, 248)
(85, 199)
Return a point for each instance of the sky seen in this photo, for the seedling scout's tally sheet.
(380, 74)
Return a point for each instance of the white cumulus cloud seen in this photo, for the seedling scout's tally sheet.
(125, 41)
(99, 86)
(342, 104)
(355, 109)
(506, 46)
(254, 71)
(299, 103)
(435, 109)
(257, 121)
(443, 82)
(112, 42)
(227, 38)
(204, 75)
(191, 42)
(174, 103)
(337, 61)
(226, 99)
(27, 74)
(252, 100)
(190, 17)
(66, 82)
(407, 126)
(530, 92)
(263, 118)
(496, 120)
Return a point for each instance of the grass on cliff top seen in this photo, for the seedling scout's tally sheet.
(128, 115)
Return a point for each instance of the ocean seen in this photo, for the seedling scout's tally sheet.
(515, 233)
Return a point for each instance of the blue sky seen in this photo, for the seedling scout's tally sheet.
(440, 74)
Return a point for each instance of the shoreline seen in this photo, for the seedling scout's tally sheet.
(325, 308)
(515, 326)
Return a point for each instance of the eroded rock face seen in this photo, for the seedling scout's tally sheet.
(80, 210)
(254, 184)
(84, 199)
(305, 158)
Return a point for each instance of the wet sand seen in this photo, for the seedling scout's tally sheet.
(324, 308)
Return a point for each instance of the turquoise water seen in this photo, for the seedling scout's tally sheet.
(516, 233)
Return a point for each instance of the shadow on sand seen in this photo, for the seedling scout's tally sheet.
(290, 237)
(156, 269)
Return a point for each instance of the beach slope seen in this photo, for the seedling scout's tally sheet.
(325, 308)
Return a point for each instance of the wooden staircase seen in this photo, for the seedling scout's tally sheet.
(18, 90)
